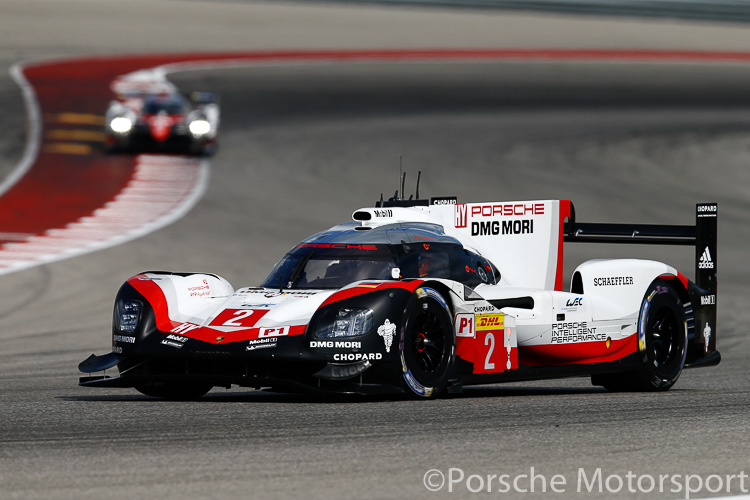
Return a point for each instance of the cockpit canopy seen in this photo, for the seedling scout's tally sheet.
(335, 265)
(170, 104)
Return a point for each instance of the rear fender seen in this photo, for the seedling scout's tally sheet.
(617, 285)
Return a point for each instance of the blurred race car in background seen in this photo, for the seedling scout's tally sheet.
(423, 298)
(163, 121)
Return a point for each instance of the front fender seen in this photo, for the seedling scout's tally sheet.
(168, 297)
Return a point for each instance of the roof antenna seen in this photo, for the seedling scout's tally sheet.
(419, 176)
(401, 174)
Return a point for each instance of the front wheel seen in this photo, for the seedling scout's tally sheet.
(662, 343)
(428, 346)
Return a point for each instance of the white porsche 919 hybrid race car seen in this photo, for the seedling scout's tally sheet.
(425, 297)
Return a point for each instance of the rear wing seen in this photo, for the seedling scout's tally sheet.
(702, 236)
(702, 293)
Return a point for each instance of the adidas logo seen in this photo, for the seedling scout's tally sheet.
(705, 261)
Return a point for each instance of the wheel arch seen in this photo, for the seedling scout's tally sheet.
(441, 294)
(621, 284)
(662, 344)
(680, 283)
(448, 294)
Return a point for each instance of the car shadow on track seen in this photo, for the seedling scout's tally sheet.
(266, 396)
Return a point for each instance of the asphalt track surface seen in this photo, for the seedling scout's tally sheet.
(303, 145)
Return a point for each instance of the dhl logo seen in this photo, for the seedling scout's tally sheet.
(490, 322)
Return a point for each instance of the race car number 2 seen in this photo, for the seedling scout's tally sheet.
(239, 318)
(490, 355)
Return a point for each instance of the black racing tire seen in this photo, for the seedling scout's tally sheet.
(429, 344)
(174, 391)
(660, 362)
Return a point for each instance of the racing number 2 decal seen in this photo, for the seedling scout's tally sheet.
(239, 318)
(489, 340)
(490, 356)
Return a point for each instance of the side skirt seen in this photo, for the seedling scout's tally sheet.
(526, 373)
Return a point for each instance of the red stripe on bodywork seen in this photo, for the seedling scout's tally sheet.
(356, 290)
(153, 293)
(160, 125)
(213, 336)
(565, 211)
(681, 277)
(573, 354)
(156, 298)
(465, 348)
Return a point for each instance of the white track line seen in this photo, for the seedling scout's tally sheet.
(162, 190)
(34, 132)
(129, 215)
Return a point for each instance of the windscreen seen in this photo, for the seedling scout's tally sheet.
(325, 265)
(320, 265)
(171, 105)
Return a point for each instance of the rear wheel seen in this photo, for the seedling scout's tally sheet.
(428, 345)
(174, 391)
(662, 343)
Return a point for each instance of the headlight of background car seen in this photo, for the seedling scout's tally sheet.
(127, 315)
(344, 322)
(199, 127)
(121, 125)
